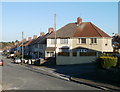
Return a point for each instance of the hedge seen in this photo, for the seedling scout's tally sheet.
(108, 61)
(63, 53)
(87, 53)
(74, 53)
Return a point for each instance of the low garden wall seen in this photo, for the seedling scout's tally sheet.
(75, 58)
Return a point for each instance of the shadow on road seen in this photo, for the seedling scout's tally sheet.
(88, 71)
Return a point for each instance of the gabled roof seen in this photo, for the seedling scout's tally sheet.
(40, 40)
(85, 29)
(27, 43)
(36, 40)
(43, 40)
(33, 41)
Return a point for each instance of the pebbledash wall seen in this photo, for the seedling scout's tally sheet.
(104, 44)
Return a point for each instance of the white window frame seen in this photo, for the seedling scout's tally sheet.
(82, 50)
(80, 41)
(54, 41)
(93, 41)
(64, 41)
(50, 54)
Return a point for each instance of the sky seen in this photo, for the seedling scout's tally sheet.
(35, 17)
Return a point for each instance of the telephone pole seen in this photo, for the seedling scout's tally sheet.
(38, 50)
(55, 34)
(22, 46)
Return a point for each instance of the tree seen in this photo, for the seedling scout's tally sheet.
(116, 42)
(16, 41)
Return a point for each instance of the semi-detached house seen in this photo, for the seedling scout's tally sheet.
(38, 45)
(77, 43)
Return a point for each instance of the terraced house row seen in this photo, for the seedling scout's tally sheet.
(74, 43)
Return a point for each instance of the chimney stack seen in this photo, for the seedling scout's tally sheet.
(35, 37)
(79, 20)
(29, 38)
(24, 39)
(50, 30)
(42, 34)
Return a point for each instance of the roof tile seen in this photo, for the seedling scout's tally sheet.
(85, 29)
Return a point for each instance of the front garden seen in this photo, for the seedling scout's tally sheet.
(109, 67)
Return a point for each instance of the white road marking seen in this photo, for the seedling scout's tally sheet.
(14, 88)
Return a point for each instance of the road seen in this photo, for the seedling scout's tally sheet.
(0, 76)
(19, 77)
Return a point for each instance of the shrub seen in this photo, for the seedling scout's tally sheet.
(107, 54)
(87, 53)
(74, 53)
(108, 61)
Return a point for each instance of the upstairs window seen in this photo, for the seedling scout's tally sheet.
(53, 41)
(82, 40)
(93, 40)
(64, 41)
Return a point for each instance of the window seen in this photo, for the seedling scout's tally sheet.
(64, 41)
(82, 50)
(53, 41)
(48, 54)
(64, 49)
(51, 53)
(82, 40)
(94, 40)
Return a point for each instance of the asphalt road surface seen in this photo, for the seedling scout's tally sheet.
(19, 77)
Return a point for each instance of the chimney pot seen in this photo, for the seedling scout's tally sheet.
(79, 20)
(29, 38)
(24, 40)
(50, 30)
(35, 37)
(42, 34)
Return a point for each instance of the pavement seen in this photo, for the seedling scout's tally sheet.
(21, 77)
(70, 76)
(99, 85)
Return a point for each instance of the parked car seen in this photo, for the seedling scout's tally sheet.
(8, 56)
(1, 62)
(25, 61)
(17, 60)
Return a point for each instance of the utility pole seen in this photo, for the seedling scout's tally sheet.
(38, 49)
(55, 34)
(22, 46)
